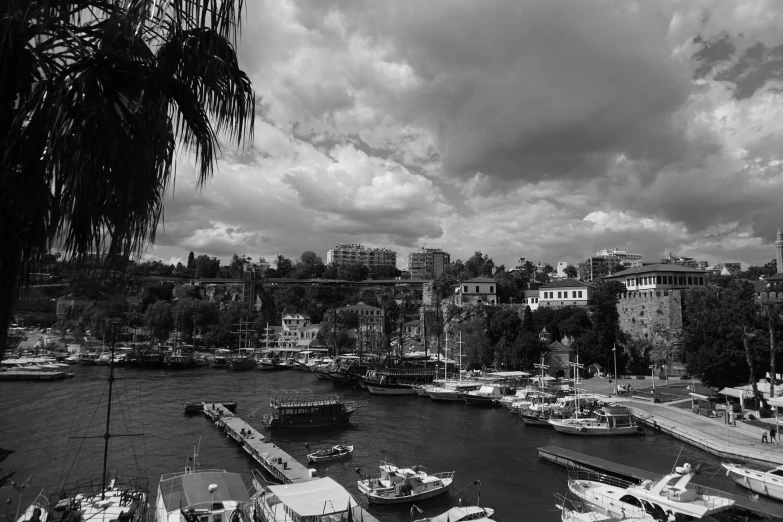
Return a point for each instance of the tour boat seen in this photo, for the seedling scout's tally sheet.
(242, 360)
(395, 381)
(220, 358)
(403, 485)
(666, 499)
(210, 495)
(610, 420)
(769, 483)
(463, 513)
(317, 500)
(452, 391)
(487, 395)
(310, 411)
(333, 453)
(180, 358)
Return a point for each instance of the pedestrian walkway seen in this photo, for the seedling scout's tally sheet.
(711, 435)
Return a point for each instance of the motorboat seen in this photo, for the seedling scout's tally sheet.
(769, 482)
(271, 362)
(27, 370)
(666, 499)
(220, 358)
(317, 500)
(452, 391)
(335, 452)
(310, 411)
(463, 513)
(88, 358)
(489, 395)
(610, 420)
(403, 485)
(209, 495)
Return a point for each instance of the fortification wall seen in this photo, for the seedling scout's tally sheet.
(651, 315)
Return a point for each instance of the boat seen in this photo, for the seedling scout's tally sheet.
(669, 498)
(241, 360)
(220, 358)
(460, 513)
(103, 499)
(335, 452)
(311, 411)
(180, 357)
(403, 485)
(769, 482)
(37, 511)
(209, 495)
(317, 500)
(201, 360)
(396, 381)
(451, 391)
(271, 361)
(27, 370)
(487, 395)
(198, 406)
(610, 420)
(152, 359)
(88, 358)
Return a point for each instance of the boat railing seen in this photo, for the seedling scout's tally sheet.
(354, 405)
(443, 475)
(630, 511)
(310, 400)
(579, 474)
(169, 476)
(94, 486)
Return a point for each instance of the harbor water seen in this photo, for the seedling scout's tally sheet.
(46, 424)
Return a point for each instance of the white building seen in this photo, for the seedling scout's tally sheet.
(660, 276)
(479, 290)
(427, 263)
(567, 292)
(627, 259)
(361, 255)
(531, 299)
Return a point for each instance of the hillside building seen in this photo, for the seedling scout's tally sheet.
(567, 292)
(479, 290)
(427, 263)
(361, 255)
(626, 258)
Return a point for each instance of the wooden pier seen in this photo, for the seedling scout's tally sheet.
(743, 506)
(280, 465)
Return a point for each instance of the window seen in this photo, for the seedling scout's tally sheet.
(671, 280)
(701, 281)
(682, 280)
(465, 289)
(559, 296)
(491, 289)
(690, 280)
(580, 294)
(477, 289)
(658, 280)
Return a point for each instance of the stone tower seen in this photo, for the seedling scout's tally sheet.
(779, 251)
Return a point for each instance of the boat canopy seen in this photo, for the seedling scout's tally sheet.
(509, 374)
(309, 499)
(192, 489)
(737, 393)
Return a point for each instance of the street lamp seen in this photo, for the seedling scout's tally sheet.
(652, 374)
(614, 351)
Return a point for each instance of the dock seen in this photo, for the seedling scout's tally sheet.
(280, 465)
(606, 469)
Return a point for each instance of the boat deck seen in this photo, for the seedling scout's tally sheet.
(575, 460)
(274, 460)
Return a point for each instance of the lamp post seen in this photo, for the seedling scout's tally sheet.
(652, 374)
(614, 352)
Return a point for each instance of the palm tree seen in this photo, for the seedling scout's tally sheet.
(95, 97)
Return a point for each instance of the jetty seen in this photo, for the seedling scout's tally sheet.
(607, 471)
(283, 468)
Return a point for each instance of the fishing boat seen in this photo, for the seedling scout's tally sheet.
(103, 499)
(460, 513)
(220, 358)
(670, 498)
(335, 452)
(241, 360)
(403, 485)
(180, 357)
(311, 411)
(317, 500)
(271, 361)
(210, 495)
(610, 420)
(769, 482)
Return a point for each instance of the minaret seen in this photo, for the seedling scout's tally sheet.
(779, 251)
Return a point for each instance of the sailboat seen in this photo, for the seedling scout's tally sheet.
(452, 391)
(103, 499)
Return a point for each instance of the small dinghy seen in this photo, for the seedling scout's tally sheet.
(335, 452)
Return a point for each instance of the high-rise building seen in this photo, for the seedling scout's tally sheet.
(427, 263)
(627, 259)
(596, 267)
(361, 255)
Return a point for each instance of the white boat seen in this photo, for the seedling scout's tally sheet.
(610, 420)
(668, 498)
(195, 495)
(458, 514)
(402, 485)
(317, 500)
(769, 482)
(452, 391)
(37, 511)
(335, 452)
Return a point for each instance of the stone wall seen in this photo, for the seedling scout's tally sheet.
(652, 315)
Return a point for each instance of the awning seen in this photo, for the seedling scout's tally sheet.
(737, 393)
(776, 401)
(315, 497)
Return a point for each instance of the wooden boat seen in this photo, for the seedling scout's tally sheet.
(610, 420)
(769, 482)
(313, 411)
(333, 453)
(241, 361)
(403, 485)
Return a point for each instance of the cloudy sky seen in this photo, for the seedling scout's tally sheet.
(541, 129)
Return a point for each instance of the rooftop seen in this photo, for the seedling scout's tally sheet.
(480, 280)
(566, 283)
(657, 267)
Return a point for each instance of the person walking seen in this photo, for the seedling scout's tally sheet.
(772, 432)
(764, 437)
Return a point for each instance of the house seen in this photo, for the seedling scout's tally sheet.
(295, 321)
(659, 276)
(308, 336)
(371, 321)
(568, 292)
(479, 290)
(531, 299)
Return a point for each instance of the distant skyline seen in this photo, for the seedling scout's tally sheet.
(545, 130)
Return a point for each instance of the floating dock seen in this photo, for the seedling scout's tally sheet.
(280, 465)
(743, 506)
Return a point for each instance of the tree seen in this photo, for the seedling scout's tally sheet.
(384, 272)
(95, 99)
(283, 266)
(479, 265)
(206, 266)
(191, 260)
(570, 271)
(309, 266)
(160, 319)
(353, 272)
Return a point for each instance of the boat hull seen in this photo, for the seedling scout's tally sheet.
(12, 375)
(755, 482)
(593, 431)
(532, 420)
(312, 457)
(276, 423)
(390, 389)
(477, 400)
(241, 366)
(444, 396)
(374, 498)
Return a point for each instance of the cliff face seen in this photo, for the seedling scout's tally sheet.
(651, 315)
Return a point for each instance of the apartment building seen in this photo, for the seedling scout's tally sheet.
(427, 263)
(595, 267)
(360, 255)
(626, 258)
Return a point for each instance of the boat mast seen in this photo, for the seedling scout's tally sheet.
(460, 357)
(576, 367)
(107, 436)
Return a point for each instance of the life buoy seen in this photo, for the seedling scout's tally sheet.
(583, 429)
